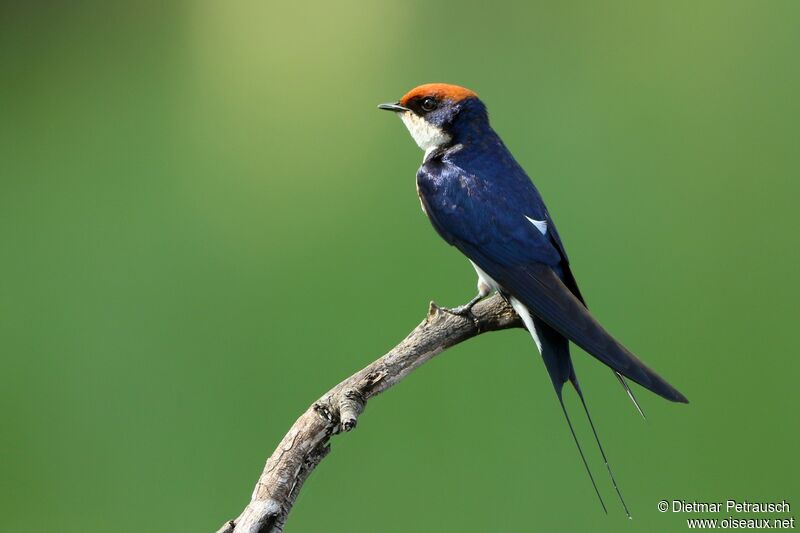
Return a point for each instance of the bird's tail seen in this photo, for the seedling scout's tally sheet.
(574, 380)
(580, 450)
(554, 348)
(630, 393)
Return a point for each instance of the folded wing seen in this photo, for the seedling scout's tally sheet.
(545, 294)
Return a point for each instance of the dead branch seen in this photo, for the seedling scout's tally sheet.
(307, 442)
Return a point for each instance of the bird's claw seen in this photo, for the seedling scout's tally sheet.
(465, 310)
(461, 310)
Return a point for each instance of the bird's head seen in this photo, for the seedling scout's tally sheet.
(434, 111)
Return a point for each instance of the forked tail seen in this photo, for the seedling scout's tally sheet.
(554, 348)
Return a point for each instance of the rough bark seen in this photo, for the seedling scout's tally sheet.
(307, 442)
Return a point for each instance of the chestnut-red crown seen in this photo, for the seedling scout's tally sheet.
(438, 90)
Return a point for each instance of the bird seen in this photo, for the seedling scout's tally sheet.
(480, 200)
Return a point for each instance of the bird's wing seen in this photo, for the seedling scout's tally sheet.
(572, 284)
(538, 286)
(509, 223)
(568, 276)
(493, 223)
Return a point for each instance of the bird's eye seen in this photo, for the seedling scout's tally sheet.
(428, 104)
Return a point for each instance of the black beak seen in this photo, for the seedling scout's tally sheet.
(397, 108)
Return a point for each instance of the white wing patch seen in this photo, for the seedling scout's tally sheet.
(541, 225)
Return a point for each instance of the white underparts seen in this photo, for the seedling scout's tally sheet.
(426, 135)
(486, 280)
(541, 225)
(525, 315)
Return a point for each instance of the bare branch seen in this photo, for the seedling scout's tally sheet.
(306, 443)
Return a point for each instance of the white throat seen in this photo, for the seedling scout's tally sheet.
(426, 135)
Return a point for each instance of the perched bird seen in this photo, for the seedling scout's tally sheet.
(480, 200)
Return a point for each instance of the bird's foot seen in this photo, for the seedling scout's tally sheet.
(465, 310)
(461, 310)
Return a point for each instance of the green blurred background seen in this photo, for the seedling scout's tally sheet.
(206, 223)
